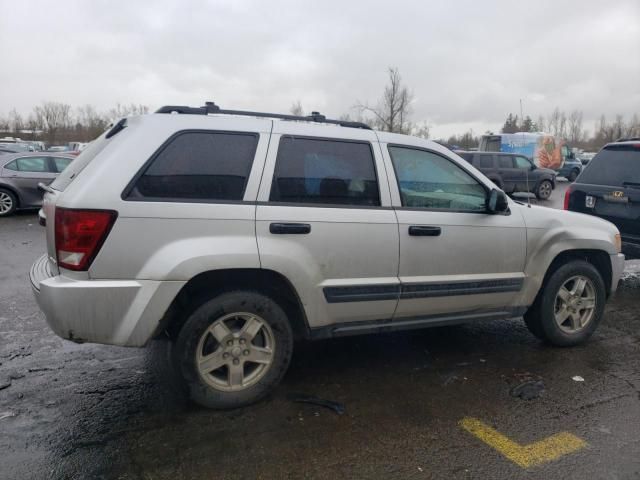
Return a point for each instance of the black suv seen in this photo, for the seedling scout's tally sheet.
(513, 173)
(609, 187)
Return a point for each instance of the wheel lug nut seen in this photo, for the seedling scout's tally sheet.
(225, 355)
(229, 343)
(242, 341)
(246, 352)
(236, 361)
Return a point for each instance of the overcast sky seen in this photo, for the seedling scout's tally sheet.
(467, 62)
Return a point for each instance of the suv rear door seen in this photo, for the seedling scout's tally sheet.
(455, 258)
(324, 221)
(612, 179)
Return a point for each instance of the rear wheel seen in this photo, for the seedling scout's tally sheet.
(234, 349)
(570, 305)
(8, 202)
(543, 192)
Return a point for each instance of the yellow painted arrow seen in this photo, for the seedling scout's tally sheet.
(526, 456)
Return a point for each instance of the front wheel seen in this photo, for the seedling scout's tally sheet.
(573, 175)
(570, 305)
(234, 349)
(543, 192)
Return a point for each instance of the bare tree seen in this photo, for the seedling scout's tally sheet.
(540, 124)
(296, 109)
(394, 108)
(120, 110)
(576, 132)
(16, 123)
(91, 122)
(53, 116)
(422, 130)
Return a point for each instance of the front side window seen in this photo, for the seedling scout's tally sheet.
(32, 164)
(428, 180)
(522, 162)
(322, 171)
(205, 166)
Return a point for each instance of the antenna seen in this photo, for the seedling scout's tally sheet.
(527, 172)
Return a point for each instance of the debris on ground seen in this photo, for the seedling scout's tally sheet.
(5, 383)
(528, 390)
(302, 398)
(7, 414)
(577, 378)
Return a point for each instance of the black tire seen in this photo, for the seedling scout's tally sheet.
(543, 190)
(7, 196)
(187, 344)
(540, 318)
(573, 175)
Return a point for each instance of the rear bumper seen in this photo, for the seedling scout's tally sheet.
(617, 268)
(115, 312)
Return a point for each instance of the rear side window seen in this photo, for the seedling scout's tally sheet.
(61, 163)
(33, 164)
(204, 166)
(324, 172)
(466, 155)
(617, 166)
(11, 165)
(486, 161)
(505, 161)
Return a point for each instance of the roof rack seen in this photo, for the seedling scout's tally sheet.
(210, 107)
(630, 139)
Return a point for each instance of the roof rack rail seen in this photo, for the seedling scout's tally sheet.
(629, 139)
(210, 107)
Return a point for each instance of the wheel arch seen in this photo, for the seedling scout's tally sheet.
(208, 284)
(14, 191)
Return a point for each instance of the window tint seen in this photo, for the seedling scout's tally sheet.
(33, 164)
(200, 166)
(427, 180)
(61, 163)
(522, 162)
(486, 161)
(505, 161)
(614, 166)
(11, 166)
(324, 171)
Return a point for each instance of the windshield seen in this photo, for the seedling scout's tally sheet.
(615, 166)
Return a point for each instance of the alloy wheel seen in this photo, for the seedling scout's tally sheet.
(575, 304)
(235, 352)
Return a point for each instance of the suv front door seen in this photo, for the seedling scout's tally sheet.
(455, 258)
(324, 221)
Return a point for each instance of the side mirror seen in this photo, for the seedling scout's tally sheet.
(497, 202)
(533, 167)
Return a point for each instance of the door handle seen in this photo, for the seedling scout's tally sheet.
(424, 231)
(290, 228)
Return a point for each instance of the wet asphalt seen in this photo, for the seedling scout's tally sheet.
(92, 411)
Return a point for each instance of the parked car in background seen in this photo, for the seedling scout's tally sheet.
(609, 187)
(235, 233)
(571, 169)
(543, 149)
(20, 174)
(586, 157)
(17, 146)
(513, 173)
(58, 148)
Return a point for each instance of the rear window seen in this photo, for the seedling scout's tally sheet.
(615, 166)
(325, 172)
(205, 166)
(63, 180)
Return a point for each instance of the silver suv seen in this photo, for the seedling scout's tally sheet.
(238, 232)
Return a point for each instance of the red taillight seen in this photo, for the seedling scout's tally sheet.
(80, 234)
(567, 198)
